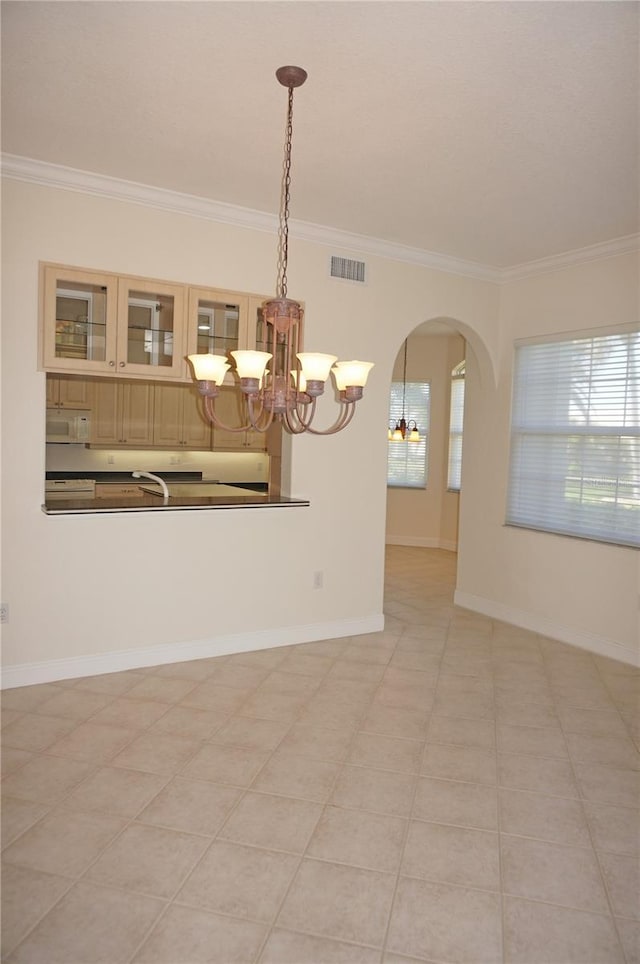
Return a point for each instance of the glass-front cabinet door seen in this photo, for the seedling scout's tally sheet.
(79, 330)
(218, 324)
(97, 323)
(150, 328)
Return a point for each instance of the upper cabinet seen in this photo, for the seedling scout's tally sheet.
(122, 413)
(95, 323)
(78, 324)
(100, 324)
(69, 391)
(218, 321)
(151, 329)
(178, 419)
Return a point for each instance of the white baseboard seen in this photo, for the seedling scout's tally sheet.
(547, 627)
(422, 543)
(27, 674)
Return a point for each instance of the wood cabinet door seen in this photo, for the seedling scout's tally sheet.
(137, 413)
(69, 391)
(151, 329)
(53, 391)
(106, 420)
(256, 441)
(231, 408)
(218, 323)
(77, 320)
(74, 392)
(196, 428)
(168, 415)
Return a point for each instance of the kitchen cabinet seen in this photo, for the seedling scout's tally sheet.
(218, 323)
(122, 413)
(178, 419)
(97, 323)
(151, 328)
(231, 408)
(67, 391)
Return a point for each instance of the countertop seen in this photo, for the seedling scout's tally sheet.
(151, 503)
(231, 495)
(120, 478)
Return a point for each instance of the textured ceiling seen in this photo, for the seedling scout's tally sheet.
(498, 132)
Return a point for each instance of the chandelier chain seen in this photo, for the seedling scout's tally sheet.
(285, 197)
(268, 393)
(404, 377)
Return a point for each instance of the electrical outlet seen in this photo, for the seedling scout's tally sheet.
(318, 579)
(111, 460)
(4, 612)
(174, 460)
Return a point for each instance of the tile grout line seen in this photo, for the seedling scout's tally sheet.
(274, 920)
(241, 797)
(117, 836)
(215, 836)
(413, 800)
(603, 881)
(503, 913)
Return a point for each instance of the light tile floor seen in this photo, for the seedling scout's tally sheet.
(451, 789)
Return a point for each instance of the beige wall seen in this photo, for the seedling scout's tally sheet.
(100, 592)
(428, 517)
(122, 586)
(574, 589)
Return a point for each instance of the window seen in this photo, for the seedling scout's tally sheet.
(456, 414)
(575, 438)
(407, 461)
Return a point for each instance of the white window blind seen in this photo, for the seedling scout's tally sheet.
(407, 461)
(456, 416)
(575, 438)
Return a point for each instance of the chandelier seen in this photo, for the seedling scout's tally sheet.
(402, 431)
(287, 393)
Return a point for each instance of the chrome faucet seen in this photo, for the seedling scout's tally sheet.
(154, 478)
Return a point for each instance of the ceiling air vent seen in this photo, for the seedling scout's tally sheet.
(347, 268)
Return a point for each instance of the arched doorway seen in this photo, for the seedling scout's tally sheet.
(426, 513)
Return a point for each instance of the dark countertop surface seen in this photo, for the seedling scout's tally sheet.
(151, 503)
(124, 476)
(102, 478)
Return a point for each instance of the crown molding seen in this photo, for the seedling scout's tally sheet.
(594, 252)
(115, 188)
(100, 185)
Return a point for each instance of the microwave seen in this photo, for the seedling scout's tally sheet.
(68, 425)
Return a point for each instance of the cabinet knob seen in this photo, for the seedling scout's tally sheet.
(121, 364)
(112, 364)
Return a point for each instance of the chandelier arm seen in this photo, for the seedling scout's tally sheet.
(209, 408)
(300, 414)
(347, 413)
(255, 419)
(294, 423)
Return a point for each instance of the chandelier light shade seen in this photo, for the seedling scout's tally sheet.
(287, 392)
(209, 368)
(404, 430)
